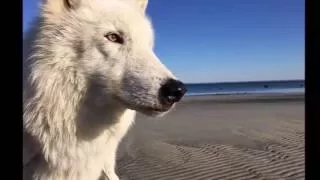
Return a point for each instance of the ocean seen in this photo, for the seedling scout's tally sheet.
(254, 87)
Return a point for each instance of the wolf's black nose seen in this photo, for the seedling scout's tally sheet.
(172, 91)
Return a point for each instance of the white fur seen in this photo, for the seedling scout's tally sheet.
(81, 91)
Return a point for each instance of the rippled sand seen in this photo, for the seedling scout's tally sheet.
(223, 137)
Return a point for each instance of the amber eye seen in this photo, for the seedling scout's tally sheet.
(113, 37)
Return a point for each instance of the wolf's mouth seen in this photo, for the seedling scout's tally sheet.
(151, 110)
(160, 110)
(147, 109)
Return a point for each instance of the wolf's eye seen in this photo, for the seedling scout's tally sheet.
(113, 37)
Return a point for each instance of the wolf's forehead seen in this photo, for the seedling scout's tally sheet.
(132, 25)
(125, 18)
(118, 11)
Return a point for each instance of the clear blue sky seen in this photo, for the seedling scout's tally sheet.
(225, 40)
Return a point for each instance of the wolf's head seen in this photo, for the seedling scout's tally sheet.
(111, 43)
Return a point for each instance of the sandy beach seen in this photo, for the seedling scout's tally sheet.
(218, 137)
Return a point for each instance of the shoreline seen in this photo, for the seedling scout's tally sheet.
(241, 98)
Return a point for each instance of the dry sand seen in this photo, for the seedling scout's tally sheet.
(218, 137)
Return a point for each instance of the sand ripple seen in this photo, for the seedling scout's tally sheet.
(275, 152)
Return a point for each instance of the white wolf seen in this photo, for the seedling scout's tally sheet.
(89, 66)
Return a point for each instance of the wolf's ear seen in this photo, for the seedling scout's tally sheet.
(142, 4)
(58, 6)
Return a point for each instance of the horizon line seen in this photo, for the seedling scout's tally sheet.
(251, 81)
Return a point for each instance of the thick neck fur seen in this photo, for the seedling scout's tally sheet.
(59, 101)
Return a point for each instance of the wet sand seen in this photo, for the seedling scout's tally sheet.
(218, 137)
